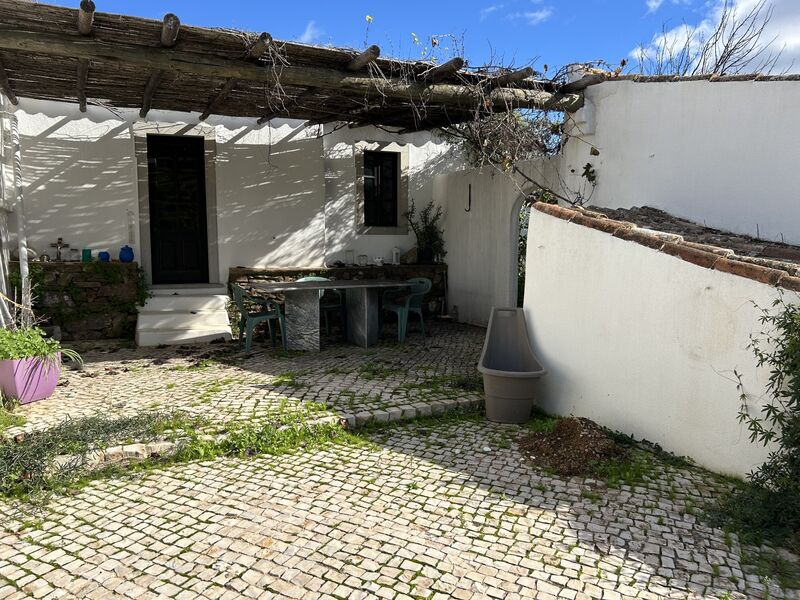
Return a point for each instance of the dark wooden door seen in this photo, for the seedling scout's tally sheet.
(178, 228)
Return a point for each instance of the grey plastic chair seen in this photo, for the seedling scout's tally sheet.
(248, 320)
(405, 301)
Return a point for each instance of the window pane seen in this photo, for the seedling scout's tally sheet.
(381, 171)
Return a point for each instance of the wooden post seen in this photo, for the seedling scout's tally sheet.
(83, 77)
(218, 98)
(169, 30)
(260, 46)
(362, 60)
(5, 85)
(444, 70)
(85, 17)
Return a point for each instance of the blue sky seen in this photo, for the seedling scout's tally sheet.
(553, 32)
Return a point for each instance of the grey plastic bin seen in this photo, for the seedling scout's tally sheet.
(509, 367)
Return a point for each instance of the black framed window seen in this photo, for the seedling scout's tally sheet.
(381, 185)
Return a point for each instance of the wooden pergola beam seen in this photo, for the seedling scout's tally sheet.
(176, 61)
(510, 78)
(581, 84)
(85, 22)
(454, 65)
(149, 92)
(85, 17)
(260, 46)
(170, 26)
(369, 55)
(269, 116)
(83, 78)
(5, 85)
(218, 98)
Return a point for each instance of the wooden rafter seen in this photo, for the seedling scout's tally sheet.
(218, 98)
(85, 21)
(260, 46)
(83, 78)
(5, 85)
(85, 17)
(512, 77)
(257, 50)
(369, 55)
(443, 71)
(581, 84)
(170, 27)
(268, 117)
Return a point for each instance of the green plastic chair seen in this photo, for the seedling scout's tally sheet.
(248, 320)
(328, 305)
(404, 301)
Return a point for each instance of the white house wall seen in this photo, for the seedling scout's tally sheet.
(427, 156)
(723, 153)
(644, 342)
(80, 174)
(482, 242)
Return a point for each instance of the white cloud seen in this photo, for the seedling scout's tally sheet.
(654, 5)
(782, 33)
(485, 12)
(311, 34)
(532, 18)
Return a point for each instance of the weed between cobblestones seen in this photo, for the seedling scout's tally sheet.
(38, 464)
(27, 462)
(8, 418)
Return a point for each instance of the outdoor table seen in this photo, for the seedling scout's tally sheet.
(302, 309)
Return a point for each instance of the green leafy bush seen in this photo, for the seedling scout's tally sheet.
(31, 342)
(770, 506)
(430, 237)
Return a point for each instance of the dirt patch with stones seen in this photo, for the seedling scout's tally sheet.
(575, 446)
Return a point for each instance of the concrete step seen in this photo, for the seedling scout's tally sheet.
(157, 337)
(189, 290)
(186, 302)
(176, 319)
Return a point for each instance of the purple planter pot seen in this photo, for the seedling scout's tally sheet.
(29, 379)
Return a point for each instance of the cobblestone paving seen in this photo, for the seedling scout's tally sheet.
(450, 510)
(386, 382)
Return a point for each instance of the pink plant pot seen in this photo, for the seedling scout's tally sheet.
(29, 379)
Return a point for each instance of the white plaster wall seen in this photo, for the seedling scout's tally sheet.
(724, 153)
(7, 188)
(643, 342)
(270, 196)
(80, 178)
(428, 156)
(482, 242)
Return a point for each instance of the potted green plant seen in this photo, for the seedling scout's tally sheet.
(30, 363)
(430, 237)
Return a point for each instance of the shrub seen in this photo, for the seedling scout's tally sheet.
(770, 506)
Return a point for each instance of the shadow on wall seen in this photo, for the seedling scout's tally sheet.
(79, 182)
(271, 198)
(426, 161)
(80, 173)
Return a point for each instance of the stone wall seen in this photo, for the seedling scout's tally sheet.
(436, 273)
(86, 300)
